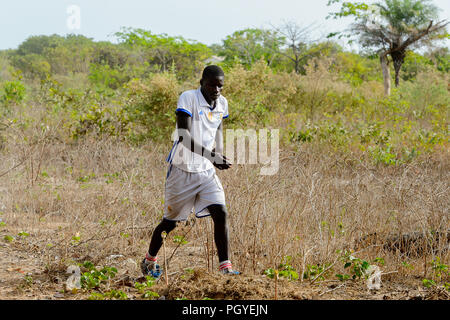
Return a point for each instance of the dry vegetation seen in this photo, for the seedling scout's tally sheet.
(80, 181)
(100, 198)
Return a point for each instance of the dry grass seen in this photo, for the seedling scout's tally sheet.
(101, 197)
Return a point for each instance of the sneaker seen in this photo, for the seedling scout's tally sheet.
(225, 267)
(150, 268)
(229, 271)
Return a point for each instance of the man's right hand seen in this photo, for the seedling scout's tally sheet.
(220, 161)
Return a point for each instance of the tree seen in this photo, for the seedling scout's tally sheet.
(186, 56)
(298, 47)
(251, 45)
(391, 27)
(39, 55)
(440, 58)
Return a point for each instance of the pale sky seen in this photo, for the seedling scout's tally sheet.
(207, 21)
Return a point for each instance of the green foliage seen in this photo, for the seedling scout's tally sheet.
(144, 288)
(257, 94)
(39, 56)
(441, 271)
(427, 283)
(440, 58)
(441, 275)
(390, 27)
(179, 240)
(8, 238)
(23, 234)
(357, 267)
(100, 120)
(312, 271)
(166, 51)
(11, 92)
(337, 101)
(248, 46)
(284, 270)
(356, 69)
(415, 64)
(109, 295)
(150, 103)
(104, 75)
(93, 278)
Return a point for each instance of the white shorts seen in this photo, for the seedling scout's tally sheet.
(187, 192)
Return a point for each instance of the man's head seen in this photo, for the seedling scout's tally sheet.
(212, 82)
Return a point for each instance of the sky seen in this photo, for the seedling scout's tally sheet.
(207, 21)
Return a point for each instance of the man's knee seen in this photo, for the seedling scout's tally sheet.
(167, 225)
(218, 213)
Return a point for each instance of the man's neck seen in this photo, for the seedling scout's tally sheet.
(209, 101)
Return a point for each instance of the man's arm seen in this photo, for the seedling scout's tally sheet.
(219, 139)
(184, 122)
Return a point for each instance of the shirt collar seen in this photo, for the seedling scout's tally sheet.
(202, 100)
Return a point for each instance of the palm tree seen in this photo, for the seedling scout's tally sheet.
(391, 27)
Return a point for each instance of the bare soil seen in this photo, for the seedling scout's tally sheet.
(17, 264)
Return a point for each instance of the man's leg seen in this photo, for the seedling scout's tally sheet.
(149, 265)
(219, 216)
(156, 241)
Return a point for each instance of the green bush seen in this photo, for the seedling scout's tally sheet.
(11, 92)
(151, 103)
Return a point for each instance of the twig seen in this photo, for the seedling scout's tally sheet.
(328, 291)
(304, 262)
(325, 270)
(17, 165)
(163, 235)
(179, 244)
(384, 273)
(276, 284)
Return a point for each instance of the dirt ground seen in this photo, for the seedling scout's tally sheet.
(23, 277)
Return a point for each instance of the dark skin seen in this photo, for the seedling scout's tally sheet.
(211, 89)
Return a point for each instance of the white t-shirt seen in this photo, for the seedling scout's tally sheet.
(205, 122)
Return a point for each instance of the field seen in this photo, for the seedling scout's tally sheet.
(99, 200)
(363, 183)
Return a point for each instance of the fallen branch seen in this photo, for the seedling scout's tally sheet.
(328, 291)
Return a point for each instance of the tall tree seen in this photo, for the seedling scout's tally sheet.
(250, 45)
(298, 46)
(164, 50)
(390, 27)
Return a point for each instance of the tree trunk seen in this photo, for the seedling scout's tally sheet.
(386, 73)
(398, 57)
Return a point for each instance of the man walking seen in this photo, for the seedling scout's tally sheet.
(191, 181)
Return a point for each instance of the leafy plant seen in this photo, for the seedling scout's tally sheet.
(441, 271)
(12, 92)
(284, 270)
(357, 267)
(144, 288)
(179, 240)
(8, 238)
(313, 271)
(427, 283)
(93, 278)
(23, 234)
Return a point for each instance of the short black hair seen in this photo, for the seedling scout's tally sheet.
(212, 71)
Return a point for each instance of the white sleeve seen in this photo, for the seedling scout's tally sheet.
(225, 112)
(185, 104)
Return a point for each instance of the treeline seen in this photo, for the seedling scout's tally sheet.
(313, 91)
(139, 53)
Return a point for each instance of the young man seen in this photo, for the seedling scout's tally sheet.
(191, 182)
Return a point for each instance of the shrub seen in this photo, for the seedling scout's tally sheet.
(12, 92)
(151, 103)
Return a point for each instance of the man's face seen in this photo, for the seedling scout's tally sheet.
(212, 87)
